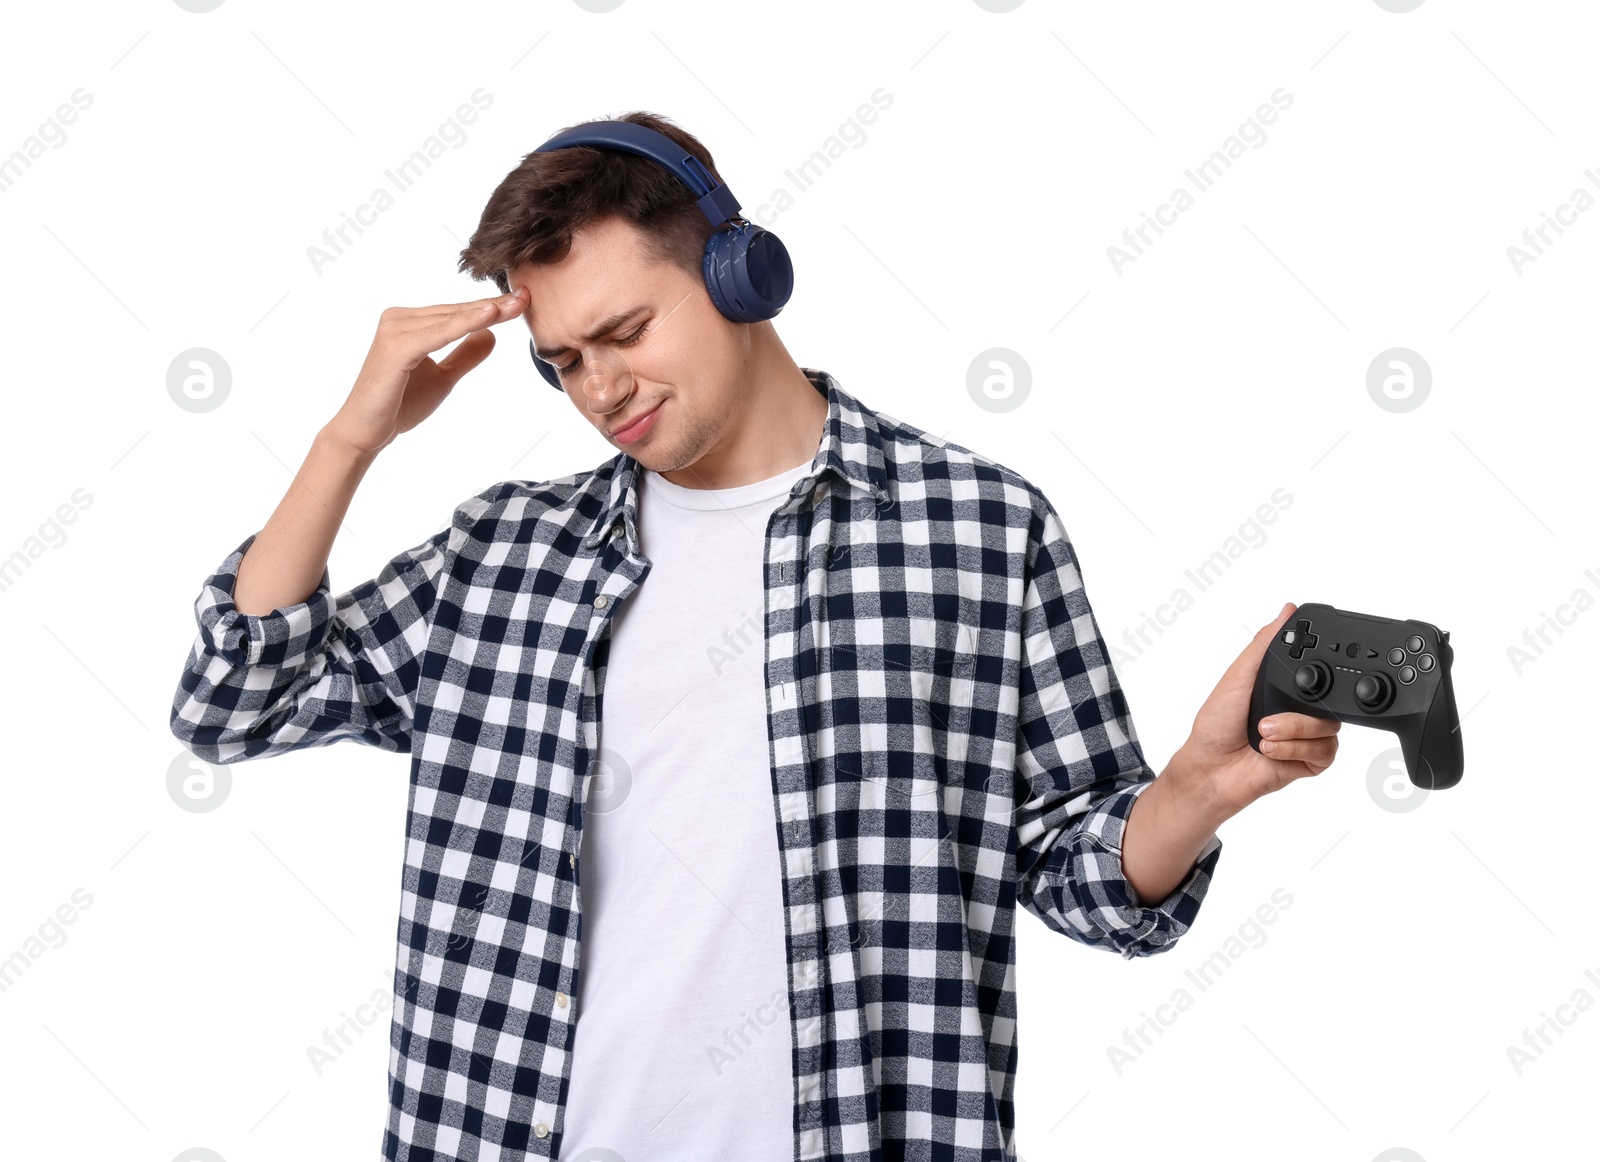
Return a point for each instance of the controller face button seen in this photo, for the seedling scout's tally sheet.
(1351, 650)
(1312, 680)
(1425, 663)
(1408, 675)
(1396, 656)
(1373, 691)
(1414, 644)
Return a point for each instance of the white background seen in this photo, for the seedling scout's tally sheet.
(1175, 397)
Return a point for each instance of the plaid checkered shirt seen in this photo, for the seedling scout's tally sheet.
(947, 738)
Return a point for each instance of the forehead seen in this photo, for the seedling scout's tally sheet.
(607, 269)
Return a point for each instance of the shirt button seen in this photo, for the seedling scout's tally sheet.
(540, 1130)
(572, 859)
(561, 999)
(602, 601)
(618, 533)
(821, 492)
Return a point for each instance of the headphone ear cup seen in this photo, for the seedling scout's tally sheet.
(748, 272)
(548, 370)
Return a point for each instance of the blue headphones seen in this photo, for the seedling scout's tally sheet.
(747, 270)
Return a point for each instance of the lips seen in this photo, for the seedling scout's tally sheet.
(624, 430)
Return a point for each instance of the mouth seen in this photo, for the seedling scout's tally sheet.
(633, 429)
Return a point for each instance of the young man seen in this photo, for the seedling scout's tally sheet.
(804, 773)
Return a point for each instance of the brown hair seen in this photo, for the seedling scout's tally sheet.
(533, 212)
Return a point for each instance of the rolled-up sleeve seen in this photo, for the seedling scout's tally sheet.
(1079, 759)
(309, 674)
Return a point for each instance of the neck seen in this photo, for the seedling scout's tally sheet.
(776, 423)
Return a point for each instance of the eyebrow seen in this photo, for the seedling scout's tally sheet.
(610, 323)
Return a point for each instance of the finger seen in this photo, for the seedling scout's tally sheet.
(429, 333)
(1294, 725)
(496, 309)
(452, 308)
(454, 321)
(1317, 752)
(470, 352)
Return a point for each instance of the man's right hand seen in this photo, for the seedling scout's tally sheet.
(399, 385)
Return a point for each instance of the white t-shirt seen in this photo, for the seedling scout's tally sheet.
(681, 1047)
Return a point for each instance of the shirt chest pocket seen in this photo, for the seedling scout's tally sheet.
(897, 717)
(912, 690)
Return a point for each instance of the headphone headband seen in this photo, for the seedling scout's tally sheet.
(716, 202)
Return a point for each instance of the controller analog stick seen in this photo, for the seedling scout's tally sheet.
(1312, 680)
(1373, 691)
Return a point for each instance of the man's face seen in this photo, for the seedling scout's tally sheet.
(668, 348)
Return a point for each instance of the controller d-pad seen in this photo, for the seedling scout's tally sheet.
(1300, 638)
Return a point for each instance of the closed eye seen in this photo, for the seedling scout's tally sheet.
(628, 342)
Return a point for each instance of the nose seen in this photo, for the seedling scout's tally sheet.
(608, 381)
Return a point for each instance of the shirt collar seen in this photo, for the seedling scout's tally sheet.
(851, 445)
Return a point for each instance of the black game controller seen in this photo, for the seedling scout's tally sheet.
(1372, 671)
